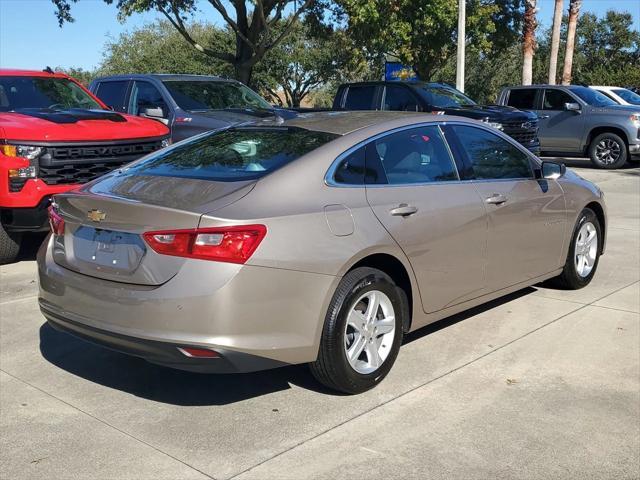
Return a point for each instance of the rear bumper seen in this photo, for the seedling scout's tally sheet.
(161, 353)
(255, 317)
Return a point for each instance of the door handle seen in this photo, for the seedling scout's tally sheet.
(496, 199)
(403, 210)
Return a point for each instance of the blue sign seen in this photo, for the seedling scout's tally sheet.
(395, 71)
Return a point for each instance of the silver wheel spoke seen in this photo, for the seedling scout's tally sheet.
(372, 355)
(372, 307)
(385, 325)
(356, 320)
(586, 248)
(356, 349)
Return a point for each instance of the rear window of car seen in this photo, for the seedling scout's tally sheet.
(235, 154)
(523, 98)
(360, 97)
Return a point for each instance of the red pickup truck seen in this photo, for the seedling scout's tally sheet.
(54, 136)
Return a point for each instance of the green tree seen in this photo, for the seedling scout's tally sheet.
(422, 33)
(253, 24)
(85, 77)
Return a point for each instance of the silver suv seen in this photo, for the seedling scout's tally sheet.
(580, 121)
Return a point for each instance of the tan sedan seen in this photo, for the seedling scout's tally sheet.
(321, 240)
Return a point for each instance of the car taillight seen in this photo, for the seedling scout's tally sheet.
(233, 244)
(56, 222)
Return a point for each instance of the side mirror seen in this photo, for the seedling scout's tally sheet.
(572, 106)
(156, 113)
(553, 170)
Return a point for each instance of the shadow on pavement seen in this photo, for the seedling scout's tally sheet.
(138, 377)
(29, 247)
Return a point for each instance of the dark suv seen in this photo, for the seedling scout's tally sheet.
(579, 121)
(438, 98)
(188, 104)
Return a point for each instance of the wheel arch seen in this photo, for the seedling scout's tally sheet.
(398, 272)
(602, 219)
(594, 132)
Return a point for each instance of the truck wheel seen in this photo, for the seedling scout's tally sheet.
(9, 246)
(608, 151)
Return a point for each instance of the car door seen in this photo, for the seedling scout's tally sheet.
(362, 97)
(113, 94)
(526, 215)
(560, 129)
(399, 98)
(438, 221)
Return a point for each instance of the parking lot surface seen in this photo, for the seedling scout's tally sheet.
(540, 384)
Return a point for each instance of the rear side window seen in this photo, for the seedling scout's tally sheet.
(360, 97)
(397, 97)
(523, 98)
(418, 155)
(233, 155)
(112, 93)
(492, 157)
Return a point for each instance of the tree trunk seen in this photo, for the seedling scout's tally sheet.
(574, 11)
(555, 41)
(243, 73)
(529, 41)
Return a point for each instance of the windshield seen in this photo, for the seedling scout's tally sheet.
(627, 95)
(235, 154)
(43, 92)
(211, 95)
(439, 96)
(593, 97)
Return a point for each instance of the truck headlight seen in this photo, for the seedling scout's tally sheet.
(25, 151)
(635, 118)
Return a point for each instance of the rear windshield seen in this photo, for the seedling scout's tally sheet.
(233, 155)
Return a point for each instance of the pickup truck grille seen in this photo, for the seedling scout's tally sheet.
(70, 164)
(523, 132)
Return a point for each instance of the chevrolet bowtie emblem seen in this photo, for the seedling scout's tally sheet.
(96, 215)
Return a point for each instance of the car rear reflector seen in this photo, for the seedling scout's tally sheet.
(198, 352)
(233, 244)
(56, 222)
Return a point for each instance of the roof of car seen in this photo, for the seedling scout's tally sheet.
(166, 76)
(344, 122)
(10, 72)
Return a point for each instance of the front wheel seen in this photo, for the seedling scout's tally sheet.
(608, 151)
(362, 332)
(9, 246)
(584, 253)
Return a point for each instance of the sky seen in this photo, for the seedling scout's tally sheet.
(30, 37)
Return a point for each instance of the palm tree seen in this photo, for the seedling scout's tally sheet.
(529, 40)
(555, 41)
(574, 11)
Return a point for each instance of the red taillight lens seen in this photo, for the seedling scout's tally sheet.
(198, 352)
(223, 244)
(56, 222)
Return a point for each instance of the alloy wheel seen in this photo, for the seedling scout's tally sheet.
(608, 151)
(586, 249)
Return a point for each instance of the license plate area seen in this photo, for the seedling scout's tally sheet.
(108, 251)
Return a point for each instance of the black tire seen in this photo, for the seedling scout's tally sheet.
(332, 367)
(9, 246)
(611, 139)
(569, 279)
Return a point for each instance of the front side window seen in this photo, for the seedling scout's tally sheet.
(236, 154)
(144, 95)
(523, 98)
(360, 97)
(419, 155)
(203, 95)
(555, 99)
(491, 156)
(43, 92)
(399, 98)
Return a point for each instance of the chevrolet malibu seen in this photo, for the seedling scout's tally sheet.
(321, 239)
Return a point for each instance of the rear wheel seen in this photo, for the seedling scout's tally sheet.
(584, 253)
(362, 332)
(608, 151)
(9, 246)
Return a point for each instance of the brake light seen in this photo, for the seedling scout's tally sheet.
(223, 244)
(56, 222)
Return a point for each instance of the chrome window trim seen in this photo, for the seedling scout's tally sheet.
(329, 175)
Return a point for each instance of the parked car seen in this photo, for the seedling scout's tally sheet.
(622, 96)
(322, 239)
(54, 136)
(438, 98)
(188, 104)
(580, 121)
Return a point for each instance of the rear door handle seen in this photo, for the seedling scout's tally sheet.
(403, 210)
(496, 199)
